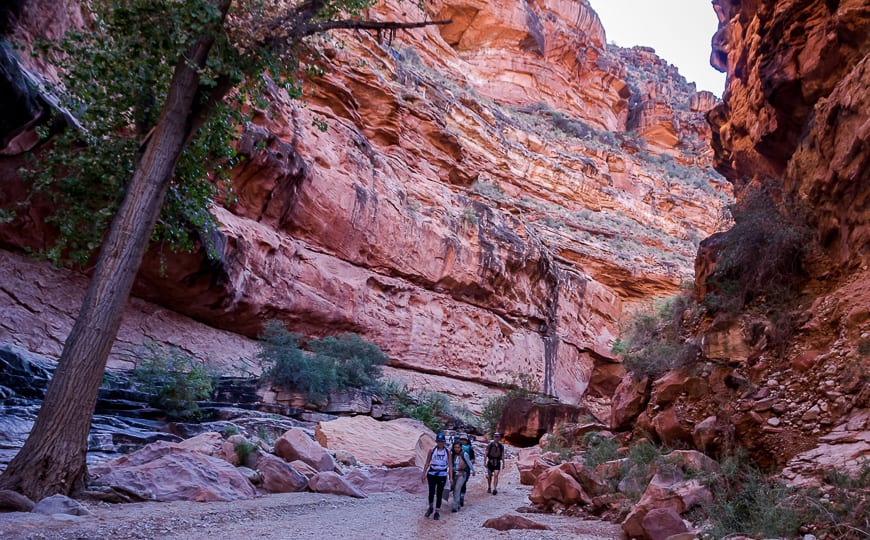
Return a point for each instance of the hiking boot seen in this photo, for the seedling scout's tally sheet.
(489, 490)
(429, 512)
(454, 510)
(495, 492)
(437, 516)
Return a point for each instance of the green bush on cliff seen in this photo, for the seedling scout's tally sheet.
(655, 340)
(762, 255)
(333, 363)
(174, 380)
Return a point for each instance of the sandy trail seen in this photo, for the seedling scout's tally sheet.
(309, 516)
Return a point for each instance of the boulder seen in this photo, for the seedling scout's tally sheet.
(670, 430)
(60, 504)
(662, 523)
(667, 489)
(208, 443)
(559, 485)
(295, 444)
(629, 399)
(353, 401)
(12, 501)
(279, 476)
(668, 388)
(345, 458)
(531, 465)
(709, 435)
(524, 421)
(508, 522)
(330, 482)
(304, 468)
(398, 443)
(165, 471)
(400, 479)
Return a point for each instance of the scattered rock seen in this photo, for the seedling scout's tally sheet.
(60, 504)
(279, 476)
(628, 401)
(304, 468)
(531, 465)
(330, 482)
(662, 523)
(509, 522)
(559, 485)
(296, 444)
(400, 479)
(166, 471)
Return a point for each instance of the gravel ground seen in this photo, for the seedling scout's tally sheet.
(306, 516)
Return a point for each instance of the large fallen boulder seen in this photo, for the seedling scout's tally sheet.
(667, 490)
(279, 476)
(531, 465)
(330, 482)
(60, 504)
(400, 479)
(295, 444)
(165, 471)
(397, 443)
(559, 485)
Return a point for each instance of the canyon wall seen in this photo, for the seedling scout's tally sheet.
(485, 198)
(795, 115)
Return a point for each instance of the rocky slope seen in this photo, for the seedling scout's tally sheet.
(795, 111)
(485, 199)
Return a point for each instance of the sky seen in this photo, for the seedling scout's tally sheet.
(679, 30)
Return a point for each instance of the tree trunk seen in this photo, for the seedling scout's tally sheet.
(53, 457)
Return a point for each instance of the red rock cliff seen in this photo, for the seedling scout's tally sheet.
(484, 199)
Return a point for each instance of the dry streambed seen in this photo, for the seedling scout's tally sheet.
(305, 515)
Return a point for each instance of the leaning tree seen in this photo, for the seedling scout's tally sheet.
(156, 86)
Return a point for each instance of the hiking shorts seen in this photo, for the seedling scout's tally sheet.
(493, 465)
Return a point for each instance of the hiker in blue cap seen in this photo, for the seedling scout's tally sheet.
(436, 471)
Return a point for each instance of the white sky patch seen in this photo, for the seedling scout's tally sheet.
(679, 30)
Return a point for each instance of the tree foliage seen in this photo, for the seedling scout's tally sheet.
(174, 380)
(330, 364)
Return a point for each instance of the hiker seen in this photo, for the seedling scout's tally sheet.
(438, 468)
(469, 449)
(493, 456)
(462, 469)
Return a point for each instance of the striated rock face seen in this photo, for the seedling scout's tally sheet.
(796, 107)
(485, 198)
(797, 110)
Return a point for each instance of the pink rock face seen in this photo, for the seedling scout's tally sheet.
(279, 476)
(330, 482)
(397, 443)
(444, 215)
(509, 522)
(399, 479)
(209, 444)
(168, 472)
(296, 444)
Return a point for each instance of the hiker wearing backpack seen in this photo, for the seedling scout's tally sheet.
(493, 456)
(437, 470)
(469, 449)
(462, 469)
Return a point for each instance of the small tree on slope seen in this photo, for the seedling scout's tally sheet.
(190, 55)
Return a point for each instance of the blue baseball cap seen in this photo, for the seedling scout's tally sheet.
(440, 438)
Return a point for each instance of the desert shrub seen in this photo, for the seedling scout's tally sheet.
(487, 189)
(244, 449)
(655, 340)
(431, 408)
(357, 362)
(599, 449)
(490, 416)
(745, 501)
(174, 380)
(333, 363)
(762, 255)
(842, 504)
